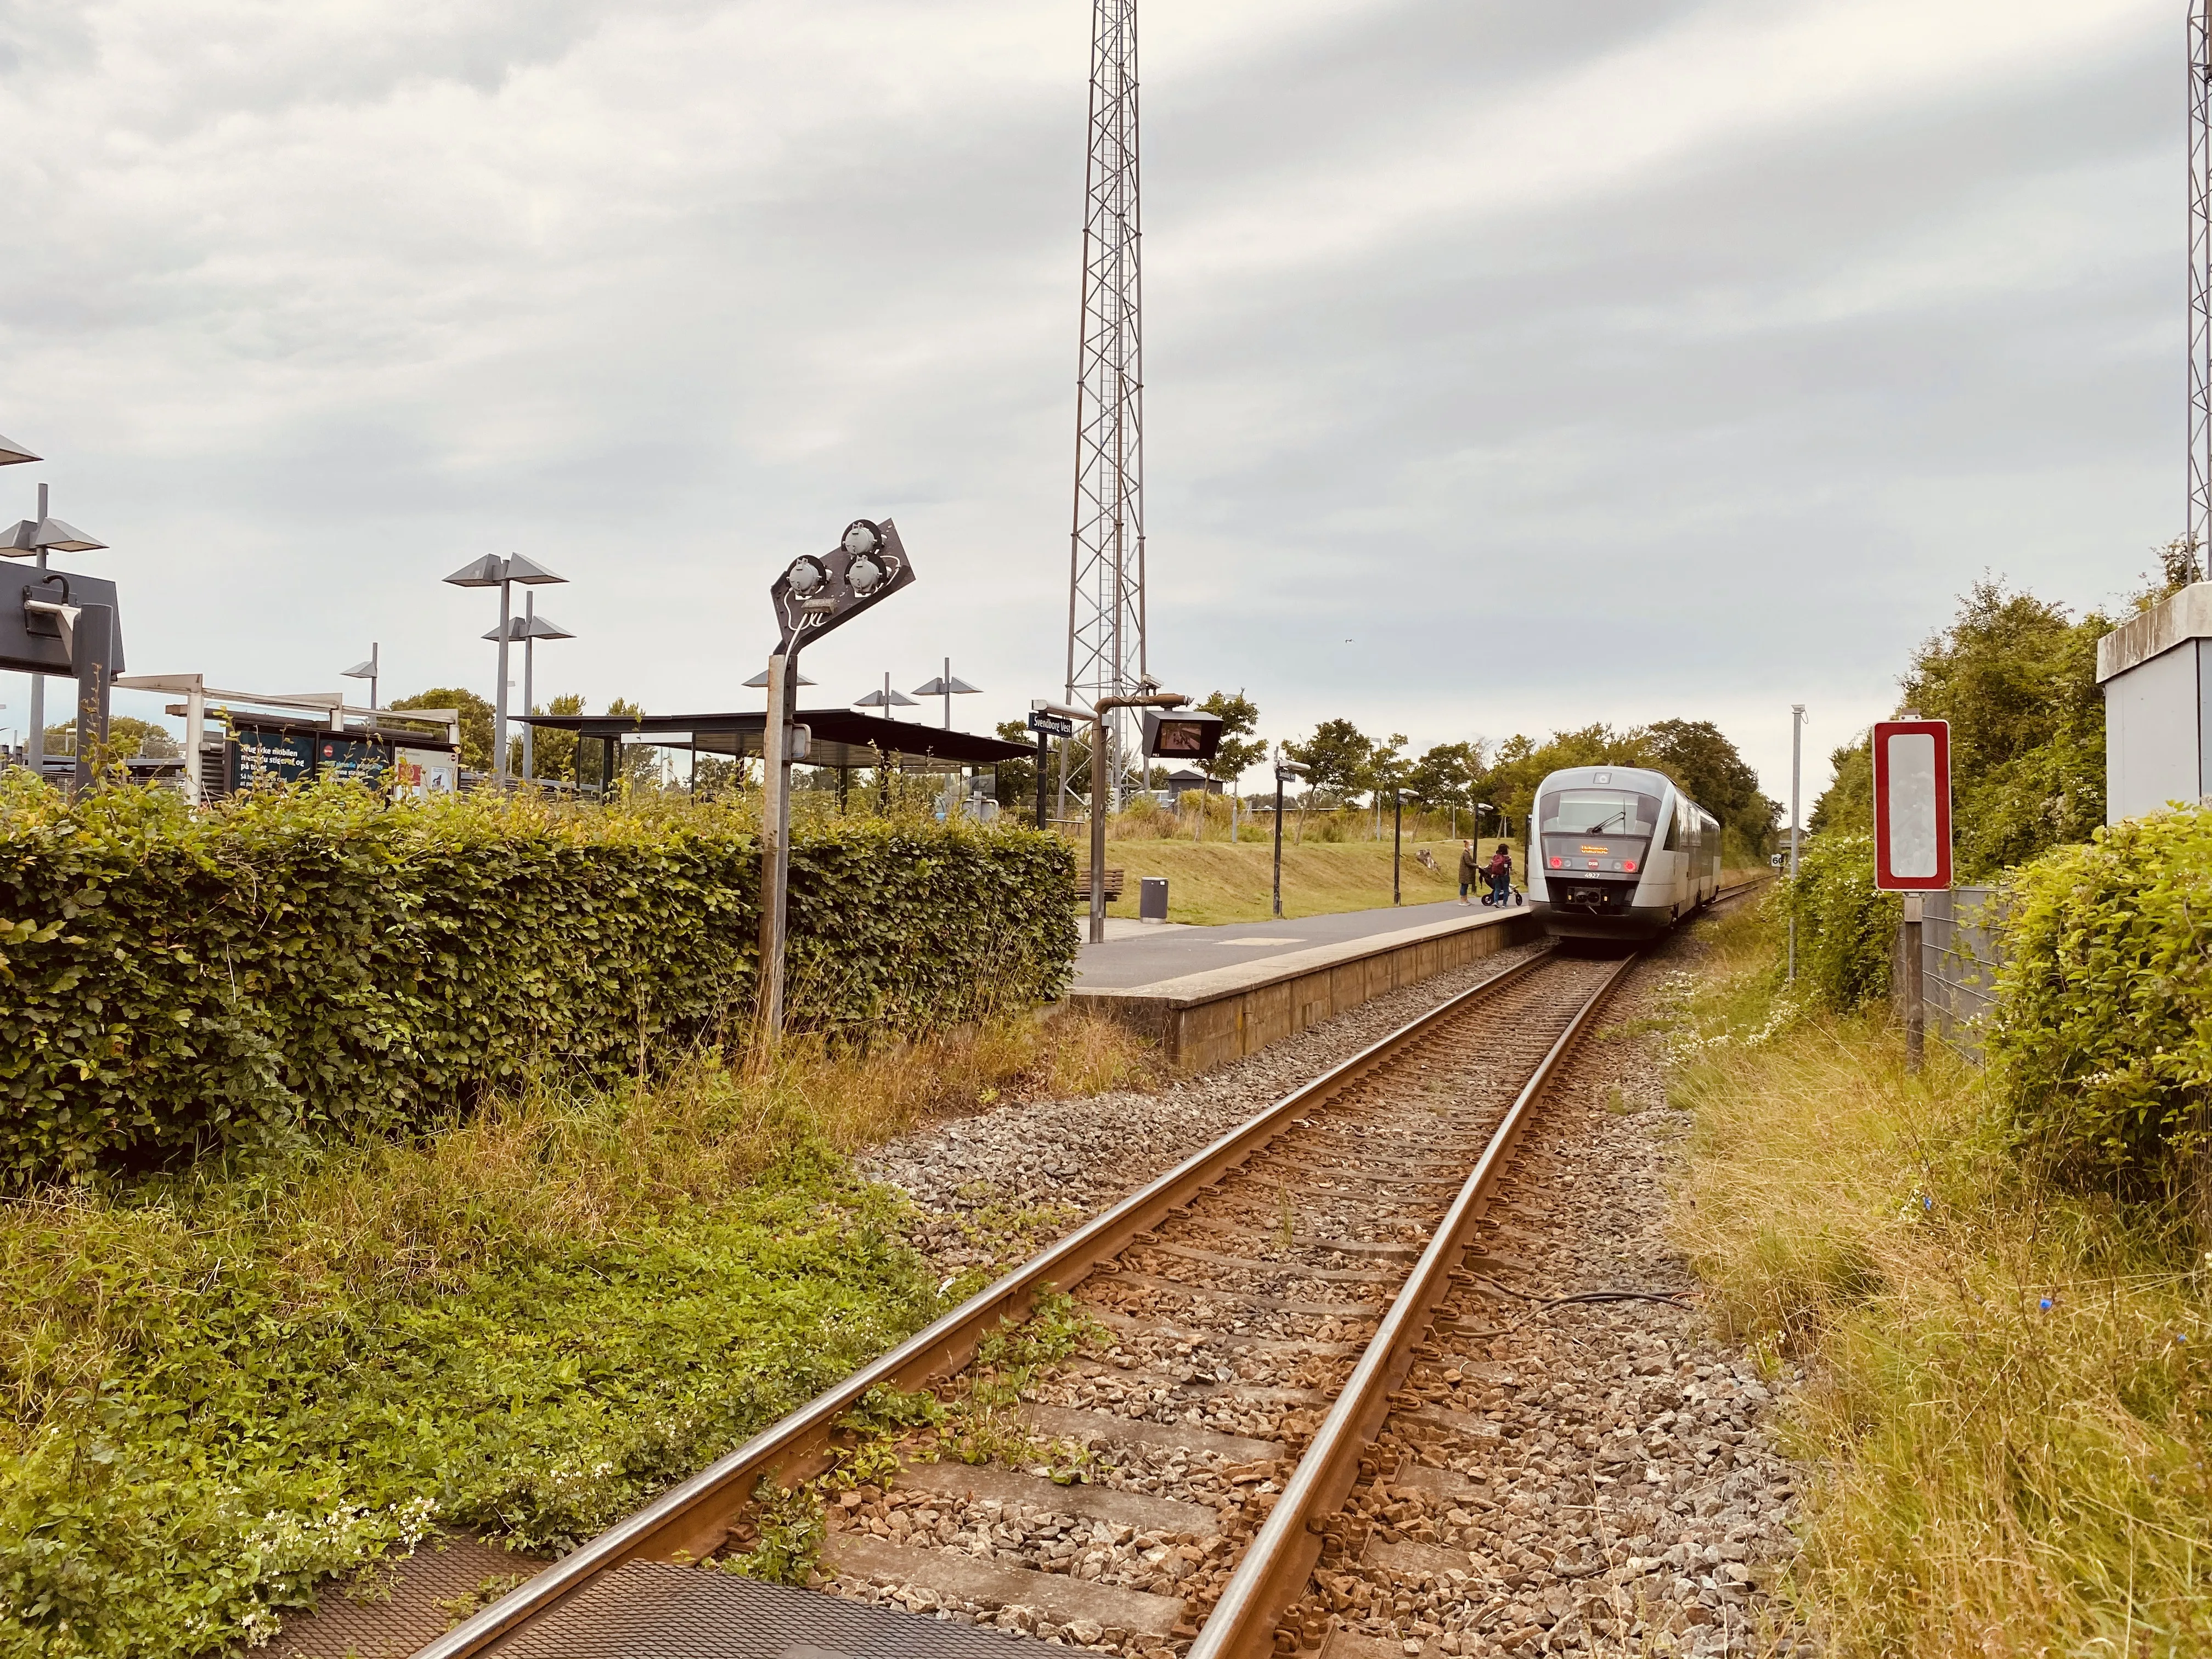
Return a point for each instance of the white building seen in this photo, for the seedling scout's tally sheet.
(2156, 670)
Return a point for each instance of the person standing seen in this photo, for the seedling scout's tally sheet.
(1470, 870)
(1500, 871)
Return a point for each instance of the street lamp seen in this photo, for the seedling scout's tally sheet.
(36, 537)
(530, 627)
(885, 699)
(493, 571)
(947, 688)
(14, 454)
(366, 670)
(1286, 771)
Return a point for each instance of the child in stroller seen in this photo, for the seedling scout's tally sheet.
(1499, 870)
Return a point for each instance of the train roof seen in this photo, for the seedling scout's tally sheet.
(1600, 777)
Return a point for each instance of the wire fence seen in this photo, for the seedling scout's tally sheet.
(1959, 955)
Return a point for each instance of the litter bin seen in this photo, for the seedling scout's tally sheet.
(1152, 898)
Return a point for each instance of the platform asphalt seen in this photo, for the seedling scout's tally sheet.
(1162, 952)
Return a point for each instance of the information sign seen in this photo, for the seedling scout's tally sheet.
(1912, 805)
(362, 758)
(266, 756)
(1051, 726)
(419, 773)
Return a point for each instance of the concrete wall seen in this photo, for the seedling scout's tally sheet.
(1206, 1020)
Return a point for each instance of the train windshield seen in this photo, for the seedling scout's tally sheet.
(1598, 812)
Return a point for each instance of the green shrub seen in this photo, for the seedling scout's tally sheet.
(320, 963)
(1845, 929)
(2101, 1048)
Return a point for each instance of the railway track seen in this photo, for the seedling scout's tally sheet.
(1249, 1318)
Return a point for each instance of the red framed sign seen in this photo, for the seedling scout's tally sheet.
(1912, 805)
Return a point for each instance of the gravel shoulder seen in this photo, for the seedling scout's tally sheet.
(1587, 1476)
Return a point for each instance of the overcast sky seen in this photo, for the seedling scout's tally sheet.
(1509, 366)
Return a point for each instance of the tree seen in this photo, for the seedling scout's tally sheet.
(1336, 758)
(476, 720)
(1523, 762)
(1240, 751)
(553, 754)
(1449, 775)
(1714, 773)
(1017, 778)
(127, 736)
(2016, 678)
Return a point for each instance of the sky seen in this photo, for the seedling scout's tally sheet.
(1508, 367)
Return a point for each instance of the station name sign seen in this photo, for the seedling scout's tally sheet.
(1051, 726)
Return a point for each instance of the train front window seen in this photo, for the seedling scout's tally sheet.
(1598, 812)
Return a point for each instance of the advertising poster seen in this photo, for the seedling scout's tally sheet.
(279, 758)
(419, 773)
(360, 758)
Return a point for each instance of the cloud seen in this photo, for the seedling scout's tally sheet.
(1618, 361)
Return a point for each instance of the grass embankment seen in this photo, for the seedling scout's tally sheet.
(224, 1388)
(1218, 881)
(2010, 1403)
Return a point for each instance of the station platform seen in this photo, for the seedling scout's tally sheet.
(1210, 996)
(1145, 952)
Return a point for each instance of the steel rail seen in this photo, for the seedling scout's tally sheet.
(1276, 1564)
(690, 1518)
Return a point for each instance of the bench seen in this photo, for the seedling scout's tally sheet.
(1113, 884)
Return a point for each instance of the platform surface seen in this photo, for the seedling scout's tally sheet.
(1167, 952)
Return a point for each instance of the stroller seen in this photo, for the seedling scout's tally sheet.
(1499, 871)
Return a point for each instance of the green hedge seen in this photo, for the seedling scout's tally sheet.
(2101, 1046)
(1845, 929)
(320, 963)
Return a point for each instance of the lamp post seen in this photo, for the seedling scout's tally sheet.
(1796, 767)
(1285, 771)
(530, 627)
(493, 571)
(1096, 714)
(1397, 823)
(946, 687)
(368, 669)
(38, 538)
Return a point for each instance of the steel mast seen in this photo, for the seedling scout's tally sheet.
(2200, 272)
(1106, 556)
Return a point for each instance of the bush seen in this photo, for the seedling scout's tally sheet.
(1845, 929)
(320, 962)
(2101, 1048)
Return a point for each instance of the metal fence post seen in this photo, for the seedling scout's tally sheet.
(775, 841)
(1915, 1010)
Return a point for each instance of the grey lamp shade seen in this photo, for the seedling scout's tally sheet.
(880, 700)
(57, 536)
(489, 571)
(520, 629)
(360, 670)
(759, 682)
(13, 453)
(20, 540)
(938, 688)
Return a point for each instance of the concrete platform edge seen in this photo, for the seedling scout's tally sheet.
(1208, 1019)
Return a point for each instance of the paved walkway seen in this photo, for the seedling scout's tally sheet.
(1135, 953)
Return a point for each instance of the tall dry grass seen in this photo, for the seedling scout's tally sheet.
(2008, 1406)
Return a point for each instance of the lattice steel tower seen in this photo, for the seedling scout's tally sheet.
(1106, 555)
(2200, 271)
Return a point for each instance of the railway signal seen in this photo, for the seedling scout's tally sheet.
(1912, 839)
(815, 593)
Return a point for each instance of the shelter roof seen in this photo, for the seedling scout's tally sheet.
(843, 739)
